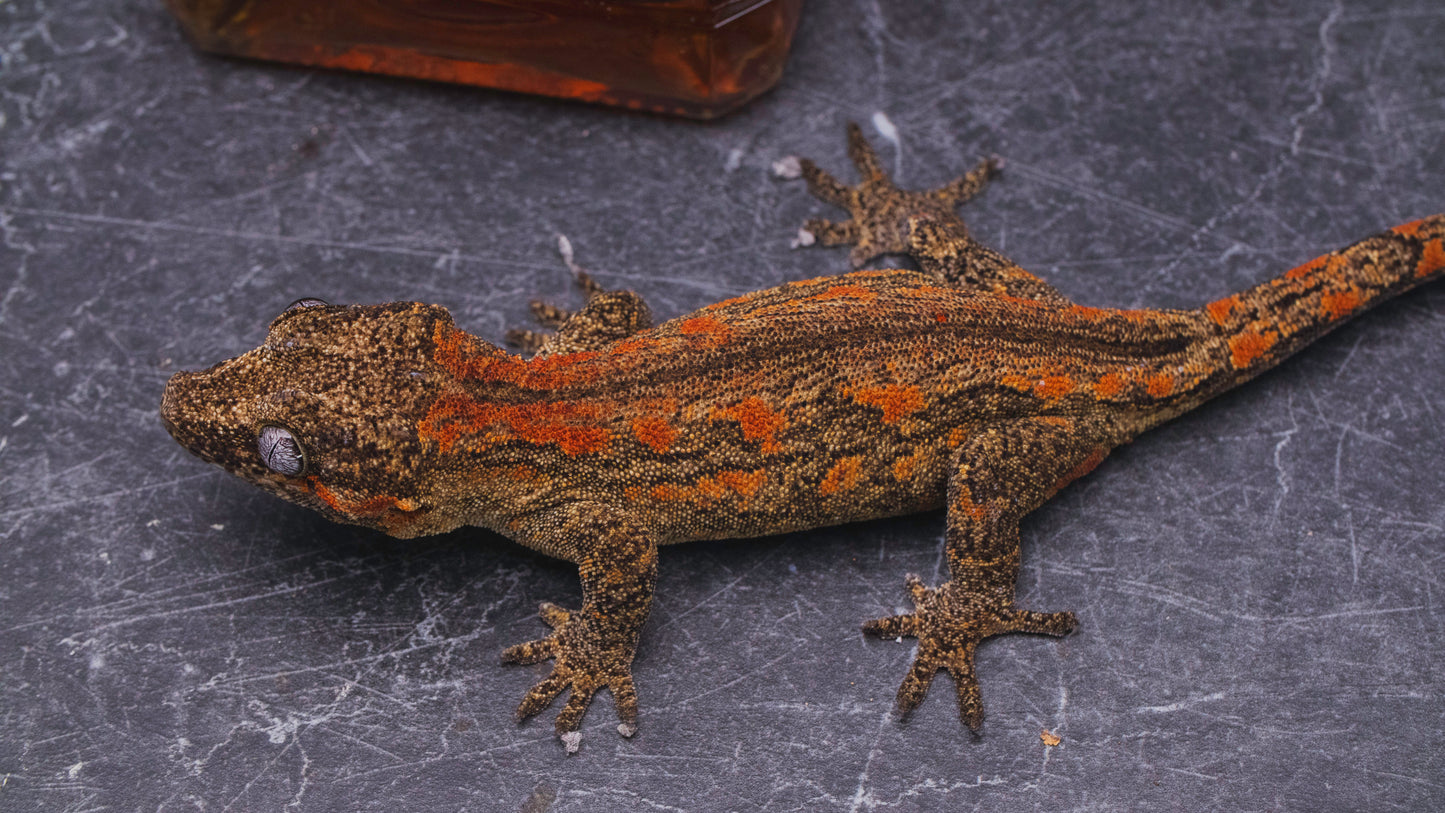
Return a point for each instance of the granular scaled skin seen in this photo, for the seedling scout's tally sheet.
(969, 384)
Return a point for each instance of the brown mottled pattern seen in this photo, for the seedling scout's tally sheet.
(971, 384)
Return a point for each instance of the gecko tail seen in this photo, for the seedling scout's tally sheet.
(1264, 325)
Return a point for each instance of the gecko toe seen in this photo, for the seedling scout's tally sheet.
(894, 626)
(541, 695)
(530, 652)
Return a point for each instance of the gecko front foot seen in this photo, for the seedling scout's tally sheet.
(949, 623)
(879, 210)
(588, 659)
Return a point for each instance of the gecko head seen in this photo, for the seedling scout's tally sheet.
(325, 413)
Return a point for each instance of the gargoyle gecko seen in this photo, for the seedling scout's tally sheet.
(969, 384)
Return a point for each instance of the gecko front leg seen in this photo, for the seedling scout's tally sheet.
(593, 647)
(608, 316)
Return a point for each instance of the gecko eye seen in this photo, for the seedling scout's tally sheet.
(305, 302)
(280, 451)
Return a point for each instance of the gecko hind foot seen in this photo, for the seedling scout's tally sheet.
(585, 662)
(949, 623)
(879, 211)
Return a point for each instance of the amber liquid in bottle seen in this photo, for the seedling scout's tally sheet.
(696, 58)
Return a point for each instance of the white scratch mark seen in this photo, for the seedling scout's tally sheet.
(1281, 476)
(1317, 82)
(1183, 704)
(861, 796)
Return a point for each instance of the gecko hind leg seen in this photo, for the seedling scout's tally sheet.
(878, 209)
(887, 220)
(1000, 474)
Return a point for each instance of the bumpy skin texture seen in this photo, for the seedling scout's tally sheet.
(971, 384)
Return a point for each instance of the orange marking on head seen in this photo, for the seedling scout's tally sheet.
(655, 431)
(523, 473)
(759, 421)
(1160, 384)
(632, 493)
(569, 426)
(1086, 312)
(1220, 309)
(956, 436)
(715, 331)
(1432, 259)
(370, 507)
(842, 477)
(1054, 386)
(897, 402)
(940, 317)
(467, 357)
(1302, 271)
(1108, 385)
(1339, 304)
(1245, 348)
(666, 492)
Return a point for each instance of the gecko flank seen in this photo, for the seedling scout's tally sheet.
(970, 384)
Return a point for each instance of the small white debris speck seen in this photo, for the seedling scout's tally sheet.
(789, 168)
(218, 527)
(572, 740)
(804, 238)
(735, 159)
(74, 770)
(885, 127)
(626, 729)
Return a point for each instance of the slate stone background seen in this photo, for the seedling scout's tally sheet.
(1259, 584)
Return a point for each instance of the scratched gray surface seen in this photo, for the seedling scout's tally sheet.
(1259, 585)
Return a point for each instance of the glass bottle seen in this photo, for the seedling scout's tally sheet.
(695, 58)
